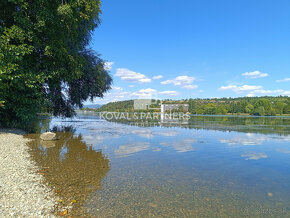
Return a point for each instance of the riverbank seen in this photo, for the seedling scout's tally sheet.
(22, 191)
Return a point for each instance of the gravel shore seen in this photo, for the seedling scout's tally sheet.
(22, 192)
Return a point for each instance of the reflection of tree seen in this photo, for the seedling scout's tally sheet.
(72, 167)
(263, 125)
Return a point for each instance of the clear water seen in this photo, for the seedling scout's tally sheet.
(208, 167)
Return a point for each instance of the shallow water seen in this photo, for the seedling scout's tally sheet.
(208, 167)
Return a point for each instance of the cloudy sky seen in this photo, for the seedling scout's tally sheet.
(195, 48)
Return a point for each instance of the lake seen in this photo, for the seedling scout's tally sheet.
(210, 166)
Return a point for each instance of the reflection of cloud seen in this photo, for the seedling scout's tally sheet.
(285, 151)
(183, 146)
(167, 133)
(147, 133)
(144, 133)
(242, 141)
(156, 149)
(253, 139)
(165, 144)
(281, 138)
(247, 139)
(98, 139)
(128, 149)
(254, 156)
(93, 139)
(180, 146)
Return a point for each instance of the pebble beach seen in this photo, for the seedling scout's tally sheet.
(22, 190)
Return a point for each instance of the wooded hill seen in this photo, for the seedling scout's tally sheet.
(244, 105)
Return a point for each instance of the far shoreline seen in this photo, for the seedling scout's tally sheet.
(205, 115)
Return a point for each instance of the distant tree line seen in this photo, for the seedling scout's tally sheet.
(259, 106)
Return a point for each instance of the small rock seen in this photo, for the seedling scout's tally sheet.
(48, 136)
(152, 205)
(63, 213)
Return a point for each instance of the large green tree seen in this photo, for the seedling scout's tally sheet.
(45, 59)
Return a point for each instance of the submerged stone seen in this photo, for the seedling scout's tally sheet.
(48, 136)
(47, 144)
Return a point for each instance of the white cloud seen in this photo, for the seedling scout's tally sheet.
(254, 90)
(268, 92)
(108, 65)
(255, 74)
(131, 76)
(169, 93)
(144, 93)
(183, 81)
(283, 80)
(239, 89)
(158, 77)
(179, 81)
(117, 88)
(190, 86)
(131, 86)
(149, 93)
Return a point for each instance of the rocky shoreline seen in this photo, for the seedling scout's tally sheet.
(22, 191)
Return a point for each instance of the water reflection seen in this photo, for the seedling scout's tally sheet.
(129, 149)
(73, 168)
(264, 125)
(254, 156)
(209, 167)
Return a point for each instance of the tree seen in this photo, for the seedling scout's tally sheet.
(263, 103)
(259, 111)
(249, 108)
(210, 109)
(45, 59)
(287, 107)
(279, 106)
(221, 110)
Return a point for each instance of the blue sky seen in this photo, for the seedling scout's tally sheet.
(195, 49)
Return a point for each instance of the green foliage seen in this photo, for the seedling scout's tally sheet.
(45, 62)
(259, 111)
(119, 106)
(265, 103)
(259, 106)
(279, 106)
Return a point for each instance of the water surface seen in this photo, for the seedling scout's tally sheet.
(208, 167)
